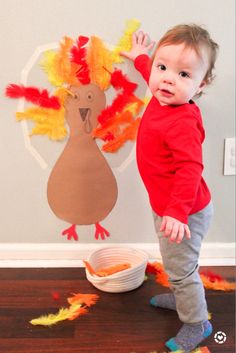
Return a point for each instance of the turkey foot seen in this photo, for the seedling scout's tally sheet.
(101, 232)
(71, 232)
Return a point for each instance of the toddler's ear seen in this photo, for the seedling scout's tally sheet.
(200, 88)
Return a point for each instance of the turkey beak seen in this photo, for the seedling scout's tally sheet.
(83, 113)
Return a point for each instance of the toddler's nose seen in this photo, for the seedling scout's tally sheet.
(169, 79)
(169, 82)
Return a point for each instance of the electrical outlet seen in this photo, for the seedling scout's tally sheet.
(229, 157)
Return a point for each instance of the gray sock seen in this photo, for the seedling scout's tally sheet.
(189, 336)
(166, 301)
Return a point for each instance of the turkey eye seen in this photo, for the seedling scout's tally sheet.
(90, 96)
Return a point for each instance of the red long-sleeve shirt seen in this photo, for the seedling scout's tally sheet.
(169, 155)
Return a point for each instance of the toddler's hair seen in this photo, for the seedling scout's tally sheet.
(196, 38)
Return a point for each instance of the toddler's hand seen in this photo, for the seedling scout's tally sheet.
(174, 229)
(140, 45)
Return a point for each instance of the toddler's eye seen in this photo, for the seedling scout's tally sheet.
(184, 74)
(76, 96)
(161, 67)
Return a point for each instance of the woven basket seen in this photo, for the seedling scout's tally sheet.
(122, 281)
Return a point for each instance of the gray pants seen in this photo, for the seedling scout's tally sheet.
(181, 264)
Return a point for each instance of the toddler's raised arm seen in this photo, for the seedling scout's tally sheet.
(140, 45)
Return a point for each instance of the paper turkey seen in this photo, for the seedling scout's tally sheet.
(82, 189)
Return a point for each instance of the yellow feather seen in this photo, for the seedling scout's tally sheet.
(52, 319)
(146, 100)
(47, 121)
(49, 65)
(35, 114)
(132, 108)
(98, 58)
(135, 106)
(125, 42)
(70, 313)
(62, 93)
(53, 133)
(57, 65)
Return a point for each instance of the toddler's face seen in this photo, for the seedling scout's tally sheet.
(177, 74)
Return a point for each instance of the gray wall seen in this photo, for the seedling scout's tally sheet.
(27, 24)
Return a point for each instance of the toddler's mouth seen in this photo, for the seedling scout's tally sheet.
(166, 93)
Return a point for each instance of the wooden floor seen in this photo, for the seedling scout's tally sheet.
(118, 323)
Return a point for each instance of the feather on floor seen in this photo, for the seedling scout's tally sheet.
(198, 350)
(210, 280)
(79, 304)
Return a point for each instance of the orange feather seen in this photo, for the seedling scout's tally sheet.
(129, 133)
(112, 269)
(102, 272)
(85, 299)
(222, 285)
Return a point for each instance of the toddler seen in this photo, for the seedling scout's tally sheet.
(169, 158)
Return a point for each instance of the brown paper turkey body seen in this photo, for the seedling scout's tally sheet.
(82, 188)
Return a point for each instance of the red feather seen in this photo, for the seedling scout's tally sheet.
(118, 81)
(151, 269)
(109, 136)
(55, 296)
(33, 95)
(78, 56)
(83, 40)
(213, 277)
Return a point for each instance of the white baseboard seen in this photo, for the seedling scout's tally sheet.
(71, 255)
